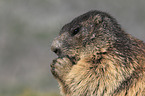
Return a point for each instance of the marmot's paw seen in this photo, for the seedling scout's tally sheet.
(61, 66)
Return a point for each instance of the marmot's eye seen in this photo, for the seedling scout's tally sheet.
(75, 31)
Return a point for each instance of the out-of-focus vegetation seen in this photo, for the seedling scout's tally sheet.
(27, 28)
(29, 92)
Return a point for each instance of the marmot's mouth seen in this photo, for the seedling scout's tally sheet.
(73, 58)
(57, 51)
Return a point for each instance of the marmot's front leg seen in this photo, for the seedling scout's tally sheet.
(60, 67)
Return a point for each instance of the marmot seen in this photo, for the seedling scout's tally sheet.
(96, 57)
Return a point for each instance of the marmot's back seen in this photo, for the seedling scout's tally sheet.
(97, 58)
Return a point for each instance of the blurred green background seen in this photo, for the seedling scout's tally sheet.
(27, 28)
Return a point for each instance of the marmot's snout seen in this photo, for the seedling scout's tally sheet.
(56, 46)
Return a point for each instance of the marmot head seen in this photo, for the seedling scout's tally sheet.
(91, 33)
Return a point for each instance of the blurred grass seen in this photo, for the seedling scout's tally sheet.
(29, 92)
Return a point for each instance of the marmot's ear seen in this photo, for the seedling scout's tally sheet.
(97, 19)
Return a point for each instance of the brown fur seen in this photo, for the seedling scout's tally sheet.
(97, 58)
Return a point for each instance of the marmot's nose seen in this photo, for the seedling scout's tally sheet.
(56, 46)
